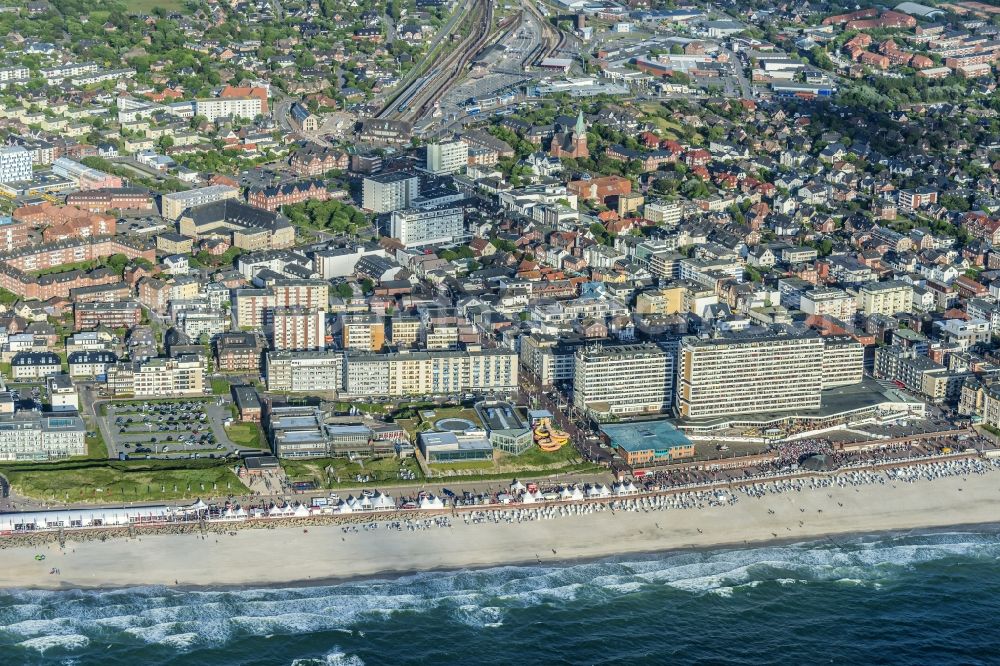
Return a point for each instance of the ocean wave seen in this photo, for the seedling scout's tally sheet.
(63, 642)
(183, 620)
(333, 658)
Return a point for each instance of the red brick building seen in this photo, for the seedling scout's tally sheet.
(272, 198)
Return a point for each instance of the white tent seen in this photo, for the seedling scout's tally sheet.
(565, 494)
(516, 487)
(527, 498)
(431, 502)
(577, 493)
(598, 490)
(275, 511)
(301, 511)
(241, 512)
(365, 503)
(381, 502)
(344, 507)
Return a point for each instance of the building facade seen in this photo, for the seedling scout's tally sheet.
(606, 381)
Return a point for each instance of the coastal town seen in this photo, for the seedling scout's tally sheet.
(404, 265)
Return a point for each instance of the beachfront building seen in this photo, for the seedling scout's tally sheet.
(296, 432)
(612, 380)
(506, 429)
(451, 447)
(843, 361)
(33, 436)
(647, 442)
(749, 374)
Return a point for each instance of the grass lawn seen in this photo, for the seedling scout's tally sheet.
(147, 6)
(533, 462)
(133, 481)
(220, 386)
(96, 448)
(382, 470)
(245, 434)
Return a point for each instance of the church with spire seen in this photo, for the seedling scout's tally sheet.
(567, 142)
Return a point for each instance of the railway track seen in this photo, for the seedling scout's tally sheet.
(423, 93)
(553, 40)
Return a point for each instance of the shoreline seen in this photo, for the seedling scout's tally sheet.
(390, 575)
(334, 554)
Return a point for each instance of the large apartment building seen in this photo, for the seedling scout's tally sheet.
(157, 377)
(33, 436)
(305, 293)
(362, 332)
(295, 327)
(15, 164)
(305, 371)
(216, 108)
(173, 204)
(843, 361)
(885, 298)
(448, 157)
(386, 192)
(835, 303)
(623, 379)
(472, 370)
(416, 227)
(749, 374)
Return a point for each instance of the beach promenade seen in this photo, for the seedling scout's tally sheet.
(256, 557)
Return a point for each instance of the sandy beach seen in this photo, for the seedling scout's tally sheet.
(256, 557)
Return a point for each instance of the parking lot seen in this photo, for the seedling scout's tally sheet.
(192, 428)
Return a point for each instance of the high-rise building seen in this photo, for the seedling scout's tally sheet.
(843, 361)
(15, 164)
(415, 227)
(386, 192)
(362, 332)
(623, 379)
(447, 158)
(749, 374)
(307, 293)
(298, 328)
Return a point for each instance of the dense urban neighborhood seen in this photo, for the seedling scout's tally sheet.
(261, 249)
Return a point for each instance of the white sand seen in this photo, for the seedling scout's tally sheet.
(267, 557)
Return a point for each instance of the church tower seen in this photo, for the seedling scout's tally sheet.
(580, 137)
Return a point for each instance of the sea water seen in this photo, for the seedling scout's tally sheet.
(931, 598)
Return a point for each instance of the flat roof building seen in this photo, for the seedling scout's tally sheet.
(647, 442)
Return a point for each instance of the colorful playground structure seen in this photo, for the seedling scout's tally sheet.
(548, 438)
